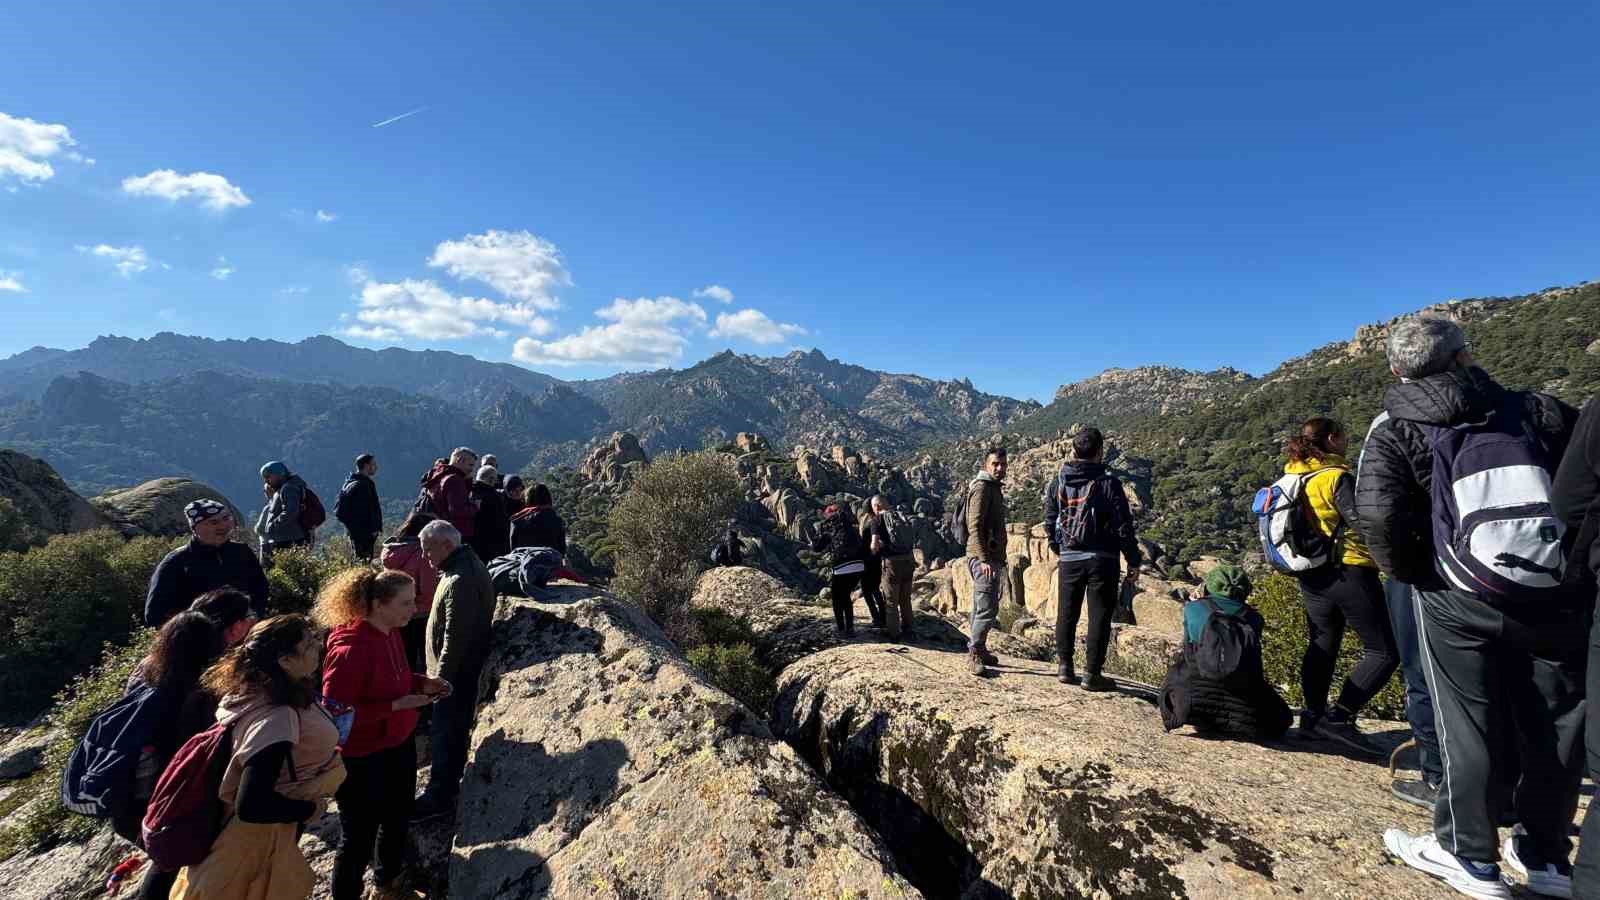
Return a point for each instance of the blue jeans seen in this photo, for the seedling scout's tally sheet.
(1419, 703)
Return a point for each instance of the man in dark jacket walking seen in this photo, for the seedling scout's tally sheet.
(209, 561)
(459, 631)
(1495, 669)
(358, 509)
(986, 554)
(1089, 524)
(1577, 489)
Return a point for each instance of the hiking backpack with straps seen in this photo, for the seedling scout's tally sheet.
(1290, 538)
(185, 814)
(900, 532)
(99, 777)
(1228, 646)
(312, 513)
(1084, 515)
(1495, 531)
(958, 515)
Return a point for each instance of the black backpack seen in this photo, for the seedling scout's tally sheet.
(1228, 647)
(958, 516)
(1086, 515)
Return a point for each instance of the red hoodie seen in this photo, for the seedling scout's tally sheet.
(367, 669)
(451, 492)
(406, 556)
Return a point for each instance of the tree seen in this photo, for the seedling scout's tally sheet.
(664, 527)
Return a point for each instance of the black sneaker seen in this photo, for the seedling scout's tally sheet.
(1417, 793)
(1098, 683)
(1345, 733)
(1065, 675)
(429, 807)
(989, 659)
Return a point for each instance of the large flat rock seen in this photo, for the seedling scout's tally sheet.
(1019, 786)
(604, 766)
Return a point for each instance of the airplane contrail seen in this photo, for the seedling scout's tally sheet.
(404, 115)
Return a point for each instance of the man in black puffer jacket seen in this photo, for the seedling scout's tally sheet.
(1497, 668)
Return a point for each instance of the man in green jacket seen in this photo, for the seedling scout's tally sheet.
(986, 554)
(459, 630)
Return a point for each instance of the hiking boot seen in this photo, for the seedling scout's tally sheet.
(1544, 878)
(1417, 793)
(1344, 732)
(1308, 723)
(975, 662)
(430, 806)
(1423, 853)
(1098, 683)
(1065, 675)
(989, 659)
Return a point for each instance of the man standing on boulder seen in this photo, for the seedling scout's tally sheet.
(209, 561)
(1087, 518)
(279, 522)
(358, 508)
(890, 542)
(986, 554)
(459, 631)
(1455, 499)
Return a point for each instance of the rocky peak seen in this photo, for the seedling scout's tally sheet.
(612, 462)
(43, 497)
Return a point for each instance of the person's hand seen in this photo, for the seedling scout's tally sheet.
(437, 688)
(411, 701)
(986, 570)
(1131, 578)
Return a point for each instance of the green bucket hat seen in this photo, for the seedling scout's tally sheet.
(1228, 580)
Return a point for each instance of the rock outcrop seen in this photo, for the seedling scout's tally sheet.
(603, 766)
(1018, 786)
(155, 508)
(43, 498)
(613, 462)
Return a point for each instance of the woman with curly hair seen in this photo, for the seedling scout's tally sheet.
(284, 766)
(366, 670)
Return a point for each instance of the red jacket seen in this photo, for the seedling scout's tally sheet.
(405, 555)
(451, 493)
(367, 670)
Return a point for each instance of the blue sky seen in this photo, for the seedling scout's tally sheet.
(1020, 194)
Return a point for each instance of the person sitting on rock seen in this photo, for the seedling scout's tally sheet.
(539, 525)
(728, 552)
(279, 522)
(838, 537)
(1087, 518)
(1196, 692)
(210, 560)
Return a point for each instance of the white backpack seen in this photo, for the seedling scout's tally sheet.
(1290, 539)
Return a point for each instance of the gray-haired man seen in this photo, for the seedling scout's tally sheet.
(889, 539)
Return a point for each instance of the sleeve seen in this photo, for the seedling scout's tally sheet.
(344, 678)
(1127, 539)
(161, 600)
(561, 533)
(255, 582)
(458, 505)
(1577, 483)
(289, 512)
(1052, 512)
(1383, 517)
(373, 507)
(1344, 500)
(454, 627)
(977, 512)
(258, 799)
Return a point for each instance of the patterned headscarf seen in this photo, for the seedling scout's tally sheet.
(203, 509)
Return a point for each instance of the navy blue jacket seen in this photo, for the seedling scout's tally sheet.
(357, 507)
(194, 569)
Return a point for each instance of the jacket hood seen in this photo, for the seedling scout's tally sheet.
(1447, 399)
(985, 476)
(1076, 472)
(351, 634)
(400, 551)
(442, 471)
(1316, 464)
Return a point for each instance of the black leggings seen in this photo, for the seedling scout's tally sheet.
(872, 592)
(844, 607)
(375, 805)
(1344, 595)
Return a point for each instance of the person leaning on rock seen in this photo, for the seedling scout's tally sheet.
(279, 522)
(459, 630)
(986, 554)
(210, 560)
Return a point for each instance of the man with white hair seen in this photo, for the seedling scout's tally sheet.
(459, 628)
(447, 491)
(1454, 498)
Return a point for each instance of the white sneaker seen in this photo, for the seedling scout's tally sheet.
(1423, 853)
(1548, 881)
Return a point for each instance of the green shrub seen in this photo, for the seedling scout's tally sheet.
(298, 572)
(46, 822)
(663, 528)
(1284, 647)
(15, 531)
(735, 669)
(60, 604)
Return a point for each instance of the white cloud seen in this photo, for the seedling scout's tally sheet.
(12, 282)
(641, 332)
(518, 264)
(755, 326)
(715, 292)
(421, 309)
(26, 147)
(294, 290)
(223, 270)
(129, 260)
(213, 191)
(325, 216)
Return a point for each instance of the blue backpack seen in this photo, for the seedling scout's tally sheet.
(99, 778)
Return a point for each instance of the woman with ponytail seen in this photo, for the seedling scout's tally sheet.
(1346, 592)
(367, 671)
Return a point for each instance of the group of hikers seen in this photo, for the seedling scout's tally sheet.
(1460, 549)
(239, 727)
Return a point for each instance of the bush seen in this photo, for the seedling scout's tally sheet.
(735, 669)
(298, 572)
(61, 603)
(46, 822)
(15, 531)
(1284, 646)
(663, 528)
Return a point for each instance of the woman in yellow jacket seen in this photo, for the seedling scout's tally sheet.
(1347, 592)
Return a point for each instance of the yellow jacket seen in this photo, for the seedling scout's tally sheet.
(1319, 490)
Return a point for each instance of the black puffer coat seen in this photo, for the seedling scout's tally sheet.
(1394, 498)
(838, 536)
(1249, 709)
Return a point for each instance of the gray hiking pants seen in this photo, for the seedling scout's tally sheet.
(1498, 675)
(985, 602)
